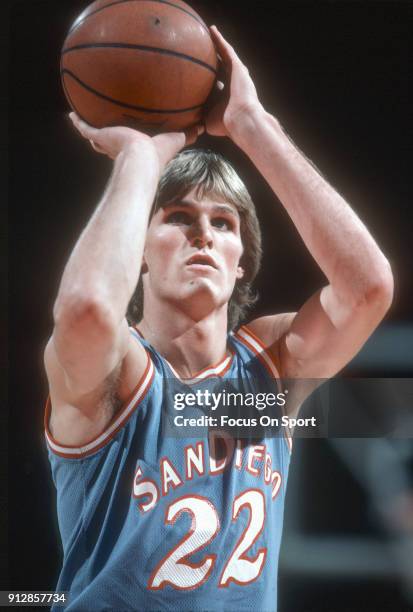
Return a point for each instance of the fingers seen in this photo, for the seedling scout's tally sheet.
(87, 131)
(96, 147)
(226, 51)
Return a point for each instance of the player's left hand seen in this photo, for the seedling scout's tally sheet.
(112, 140)
(238, 97)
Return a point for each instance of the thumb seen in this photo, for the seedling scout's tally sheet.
(192, 134)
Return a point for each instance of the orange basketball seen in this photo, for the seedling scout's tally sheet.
(146, 64)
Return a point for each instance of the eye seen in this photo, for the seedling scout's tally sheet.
(222, 223)
(179, 217)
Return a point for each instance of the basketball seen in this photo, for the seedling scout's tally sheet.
(149, 65)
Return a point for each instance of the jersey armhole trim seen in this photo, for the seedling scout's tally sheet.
(118, 421)
(258, 348)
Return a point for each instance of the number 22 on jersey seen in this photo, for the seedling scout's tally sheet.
(176, 569)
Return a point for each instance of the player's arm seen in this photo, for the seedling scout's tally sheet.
(334, 323)
(90, 353)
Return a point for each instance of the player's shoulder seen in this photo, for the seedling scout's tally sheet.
(75, 418)
(263, 336)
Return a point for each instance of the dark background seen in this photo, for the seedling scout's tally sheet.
(336, 76)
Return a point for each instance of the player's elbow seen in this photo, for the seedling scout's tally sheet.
(380, 288)
(84, 313)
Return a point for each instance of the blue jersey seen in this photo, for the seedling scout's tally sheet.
(150, 522)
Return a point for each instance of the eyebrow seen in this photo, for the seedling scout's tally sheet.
(223, 208)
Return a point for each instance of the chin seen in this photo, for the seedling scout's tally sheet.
(200, 290)
(200, 286)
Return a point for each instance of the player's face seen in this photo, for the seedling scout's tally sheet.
(192, 253)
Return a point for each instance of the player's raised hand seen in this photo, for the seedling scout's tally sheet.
(111, 141)
(238, 94)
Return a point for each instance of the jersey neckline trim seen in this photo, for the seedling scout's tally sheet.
(77, 452)
(218, 369)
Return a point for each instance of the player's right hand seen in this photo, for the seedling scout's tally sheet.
(236, 95)
(111, 141)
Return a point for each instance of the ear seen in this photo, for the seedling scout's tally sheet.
(240, 272)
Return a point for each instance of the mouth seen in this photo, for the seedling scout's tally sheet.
(202, 260)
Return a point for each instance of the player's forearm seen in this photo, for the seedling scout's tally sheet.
(104, 266)
(334, 235)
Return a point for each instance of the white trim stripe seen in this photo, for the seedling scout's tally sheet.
(243, 333)
(213, 370)
(87, 448)
(260, 349)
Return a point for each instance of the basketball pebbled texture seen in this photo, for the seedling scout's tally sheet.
(147, 64)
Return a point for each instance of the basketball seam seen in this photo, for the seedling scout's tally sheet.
(124, 104)
(113, 45)
(180, 8)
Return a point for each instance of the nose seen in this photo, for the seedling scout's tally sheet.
(201, 235)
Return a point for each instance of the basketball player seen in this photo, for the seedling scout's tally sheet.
(152, 522)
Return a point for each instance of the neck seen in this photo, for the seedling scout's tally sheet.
(189, 345)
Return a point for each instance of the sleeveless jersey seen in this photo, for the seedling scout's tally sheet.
(154, 522)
